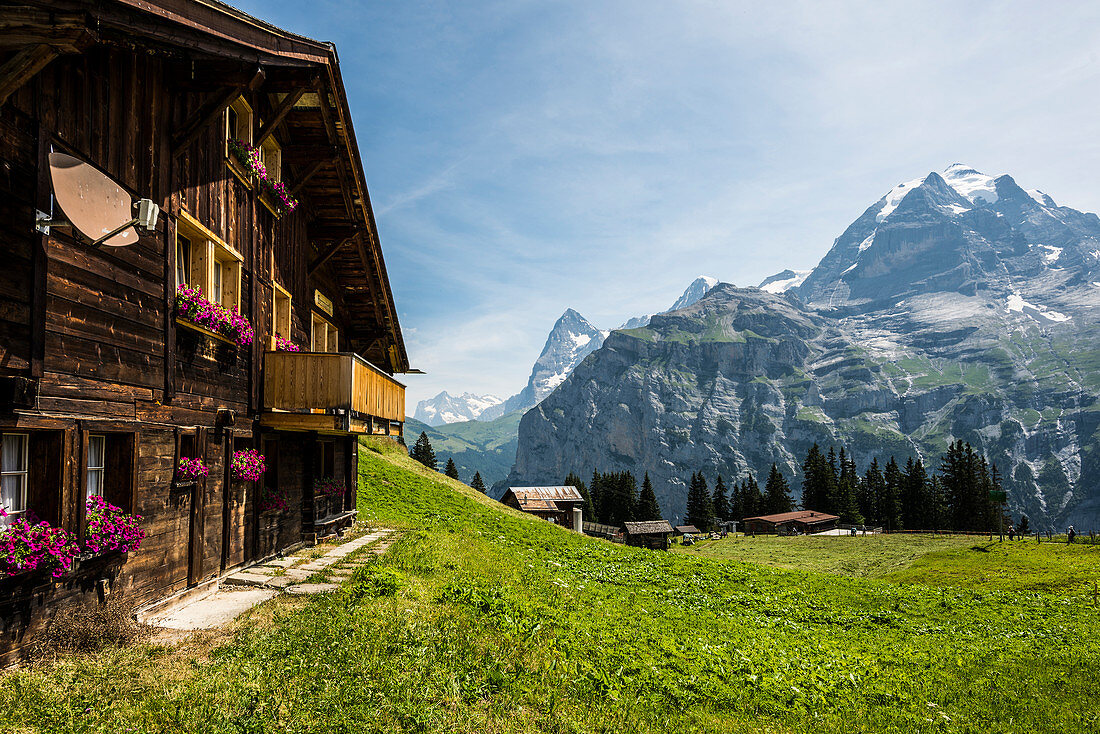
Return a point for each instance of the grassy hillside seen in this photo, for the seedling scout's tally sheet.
(484, 620)
(488, 447)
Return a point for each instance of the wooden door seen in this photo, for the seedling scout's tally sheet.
(197, 517)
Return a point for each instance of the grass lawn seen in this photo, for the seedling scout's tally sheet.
(480, 619)
(868, 556)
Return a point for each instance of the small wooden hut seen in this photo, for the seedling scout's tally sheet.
(555, 504)
(787, 523)
(648, 534)
(688, 530)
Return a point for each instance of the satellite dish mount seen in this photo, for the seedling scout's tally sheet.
(95, 205)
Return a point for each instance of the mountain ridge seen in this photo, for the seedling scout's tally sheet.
(958, 305)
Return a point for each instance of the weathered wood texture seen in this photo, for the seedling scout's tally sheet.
(133, 94)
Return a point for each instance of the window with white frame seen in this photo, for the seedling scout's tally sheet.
(13, 475)
(205, 262)
(97, 462)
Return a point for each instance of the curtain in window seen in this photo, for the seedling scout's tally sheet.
(96, 451)
(14, 478)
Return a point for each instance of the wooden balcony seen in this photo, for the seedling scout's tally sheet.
(335, 392)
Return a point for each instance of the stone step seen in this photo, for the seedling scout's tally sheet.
(246, 578)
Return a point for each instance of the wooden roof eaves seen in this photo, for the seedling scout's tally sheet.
(226, 23)
(358, 174)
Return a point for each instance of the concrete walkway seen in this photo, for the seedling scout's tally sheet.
(301, 573)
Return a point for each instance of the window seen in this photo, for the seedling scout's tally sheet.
(238, 121)
(280, 313)
(205, 262)
(13, 475)
(97, 462)
(326, 458)
(325, 335)
(183, 260)
(216, 286)
(272, 156)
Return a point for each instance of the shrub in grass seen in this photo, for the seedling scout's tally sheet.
(369, 582)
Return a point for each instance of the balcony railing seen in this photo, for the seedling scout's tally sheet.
(330, 391)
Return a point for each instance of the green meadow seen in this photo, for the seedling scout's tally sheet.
(480, 619)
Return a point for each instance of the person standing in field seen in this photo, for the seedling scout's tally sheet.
(1070, 534)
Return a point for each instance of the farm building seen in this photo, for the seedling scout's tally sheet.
(559, 505)
(687, 530)
(803, 521)
(251, 320)
(648, 534)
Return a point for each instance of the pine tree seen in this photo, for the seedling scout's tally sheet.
(595, 491)
(832, 481)
(700, 509)
(478, 483)
(871, 490)
(777, 493)
(451, 470)
(816, 488)
(917, 512)
(719, 500)
(620, 497)
(1024, 527)
(753, 499)
(648, 509)
(737, 501)
(422, 451)
(572, 480)
(890, 503)
(847, 502)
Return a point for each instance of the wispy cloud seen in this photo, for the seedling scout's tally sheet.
(531, 156)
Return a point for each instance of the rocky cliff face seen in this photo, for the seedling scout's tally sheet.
(958, 306)
(572, 339)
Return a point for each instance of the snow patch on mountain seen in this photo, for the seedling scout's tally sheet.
(971, 184)
(784, 281)
(1050, 254)
(1017, 303)
(894, 197)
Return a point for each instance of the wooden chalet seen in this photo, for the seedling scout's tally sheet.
(787, 523)
(559, 505)
(104, 387)
(687, 530)
(648, 534)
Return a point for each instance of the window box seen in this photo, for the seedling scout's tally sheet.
(205, 332)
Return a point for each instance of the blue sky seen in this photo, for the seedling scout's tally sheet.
(525, 157)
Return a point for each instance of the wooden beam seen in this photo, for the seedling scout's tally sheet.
(27, 26)
(22, 67)
(280, 112)
(209, 112)
(325, 256)
(310, 173)
(369, 271)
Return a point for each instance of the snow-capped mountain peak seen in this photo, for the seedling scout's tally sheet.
(961, 231)
(447, 408)
(695, 291)
(971, 184)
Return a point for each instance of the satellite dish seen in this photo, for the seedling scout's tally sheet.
(97, 207)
